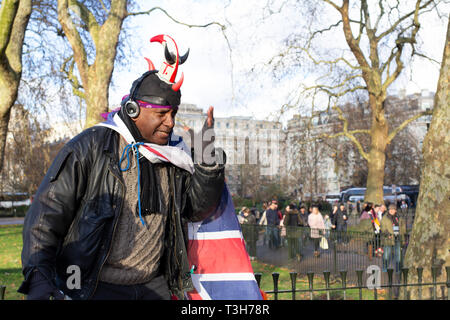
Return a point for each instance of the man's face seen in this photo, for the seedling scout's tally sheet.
(342, 208)
(302, 210)
(156, 124)
(383, 208)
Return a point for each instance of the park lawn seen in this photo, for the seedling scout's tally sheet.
(284, 283)
(10, 263)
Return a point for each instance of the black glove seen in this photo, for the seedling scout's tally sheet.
(41, 289)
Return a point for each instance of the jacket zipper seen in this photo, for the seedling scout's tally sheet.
(114, 230)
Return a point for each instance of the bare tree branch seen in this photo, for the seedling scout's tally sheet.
(406, 122)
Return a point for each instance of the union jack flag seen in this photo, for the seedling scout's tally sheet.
(217, 249)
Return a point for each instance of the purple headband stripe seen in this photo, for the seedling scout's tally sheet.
(144, 104)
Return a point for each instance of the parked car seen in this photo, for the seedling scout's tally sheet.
(332, 198)
(355, 194)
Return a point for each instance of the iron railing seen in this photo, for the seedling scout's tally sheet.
(2, 292)
(294, 247)
(393, 288)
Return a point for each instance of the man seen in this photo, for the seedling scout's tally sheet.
(250, 232)
(339, 221)
(303, 217)
(293, 233)
(107, 221)
(393, 229)
(273, 223)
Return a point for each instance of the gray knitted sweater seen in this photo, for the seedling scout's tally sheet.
(136, 250)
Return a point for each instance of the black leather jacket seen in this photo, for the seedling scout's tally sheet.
(74, 214)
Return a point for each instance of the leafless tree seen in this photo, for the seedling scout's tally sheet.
(381, 37)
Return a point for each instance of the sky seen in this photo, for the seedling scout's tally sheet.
(215, 75)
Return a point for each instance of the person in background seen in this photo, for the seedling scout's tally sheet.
(249, 232)
(317, 225)
(404, 208)
(291, 222)
(303, 216)
(366, 214)
(256, 213)
(273, 225)
(240, 215)
(333, 216)
(393, 229)
(340, 222)
(382, 211)
(364, 208)
(263, 222)
(328, 225)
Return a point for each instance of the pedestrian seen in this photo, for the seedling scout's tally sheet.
(328, 225)
(366, 212)
(404, 208)
(376, 225)
(273, 225)
(293, 232)
(393, 229)
(317, 225)
(116, 216)
(283, 239)
(364, 208)
(340, 222)
(249, 232)
(382, 211)
(333, 216)
(303, 217)
(263, 222)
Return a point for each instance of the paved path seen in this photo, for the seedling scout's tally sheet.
(5, 221)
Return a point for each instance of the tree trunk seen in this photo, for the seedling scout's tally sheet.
(430, 238)
(96, 77)
(97, 94)
(14, 17)
(377, 153)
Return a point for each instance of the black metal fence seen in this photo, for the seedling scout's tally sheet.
(302, 249)
(438, 290)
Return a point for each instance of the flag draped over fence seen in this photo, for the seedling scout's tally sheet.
(216, 247)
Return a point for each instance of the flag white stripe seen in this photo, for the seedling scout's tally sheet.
(229, 234)
(244, 276)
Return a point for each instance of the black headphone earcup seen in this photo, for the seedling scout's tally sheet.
(132, 109)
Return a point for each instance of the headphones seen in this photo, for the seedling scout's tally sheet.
(131, 106)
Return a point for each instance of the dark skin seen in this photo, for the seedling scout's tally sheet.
(156, 124)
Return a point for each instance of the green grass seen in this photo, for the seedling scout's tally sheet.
(10, 263)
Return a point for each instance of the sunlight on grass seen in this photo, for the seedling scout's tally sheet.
(10, 263)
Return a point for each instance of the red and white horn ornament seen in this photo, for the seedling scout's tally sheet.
(169, 68)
